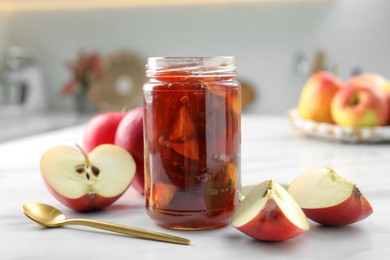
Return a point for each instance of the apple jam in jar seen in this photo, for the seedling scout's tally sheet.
(192, 141)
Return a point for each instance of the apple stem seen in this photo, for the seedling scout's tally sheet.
(84, 153)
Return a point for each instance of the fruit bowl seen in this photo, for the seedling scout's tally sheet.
(330, 132)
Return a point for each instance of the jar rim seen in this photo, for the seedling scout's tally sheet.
(194, 65)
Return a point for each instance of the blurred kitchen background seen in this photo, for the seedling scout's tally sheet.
(277, 45)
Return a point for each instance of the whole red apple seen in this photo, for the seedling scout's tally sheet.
(316, 97)
(269, 213)
(130, 136)
(328, 198)
(368, 79)
(386, 90)
(357, 105)
(374, 80)
(101, 129)
(86, 182)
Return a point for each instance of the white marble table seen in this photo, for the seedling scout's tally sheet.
(24, 124)
(270, 149)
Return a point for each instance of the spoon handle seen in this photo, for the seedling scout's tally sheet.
(132, 231)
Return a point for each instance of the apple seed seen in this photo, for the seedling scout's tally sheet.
(80, 168)
(95, 170)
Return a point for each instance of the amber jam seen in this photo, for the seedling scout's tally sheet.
(192, 142)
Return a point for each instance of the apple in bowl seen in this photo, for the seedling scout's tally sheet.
(359, 105)
(86, 182)
(376, 81)
(368, 79)
(316, 97)
(328, 198)
(269, 213)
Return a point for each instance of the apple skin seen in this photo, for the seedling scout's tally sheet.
(374, 80)
(130, 136)
(328, 198)
(357, 105)
(368, 79)
(59, 172)
(86, 203)
(352, 210)
(316, 97)
(271, 225)
(101, 129)
(260, 215)
(386, 90)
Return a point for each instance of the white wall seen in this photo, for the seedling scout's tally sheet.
(264, 37)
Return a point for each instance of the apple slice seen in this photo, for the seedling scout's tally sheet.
(86, 182)
(182, 138)
(163, 194)
(328, 198)
(183, 127)
(189, 149)
(269, 213)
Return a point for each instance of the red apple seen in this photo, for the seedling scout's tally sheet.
(368, 79)
(316, 97)
(130, 136)
(357, 105)
(101, 129)
(328, 198)
(86, 182)
(374, 80)
(269, 213)
(386, 90)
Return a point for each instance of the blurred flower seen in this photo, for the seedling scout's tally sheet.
(86, 68)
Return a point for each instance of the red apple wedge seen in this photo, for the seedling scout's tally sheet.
(328, 198)
(269, 213)
(86, 182)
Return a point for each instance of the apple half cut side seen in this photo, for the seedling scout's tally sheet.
(328, 198)
(269, 213)
(86, 182)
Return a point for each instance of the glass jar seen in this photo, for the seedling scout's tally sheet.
(192, 141)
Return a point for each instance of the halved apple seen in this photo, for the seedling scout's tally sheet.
(86, 182)
(269, 213)
(328, 198)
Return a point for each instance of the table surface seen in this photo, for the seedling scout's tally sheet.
(26, 124)
(270, 150)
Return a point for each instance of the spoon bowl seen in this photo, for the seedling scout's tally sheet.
(43, 214)
(50, 216)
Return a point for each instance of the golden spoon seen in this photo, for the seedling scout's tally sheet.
(49, 216)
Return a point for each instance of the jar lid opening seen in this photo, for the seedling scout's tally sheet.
(194, 65)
